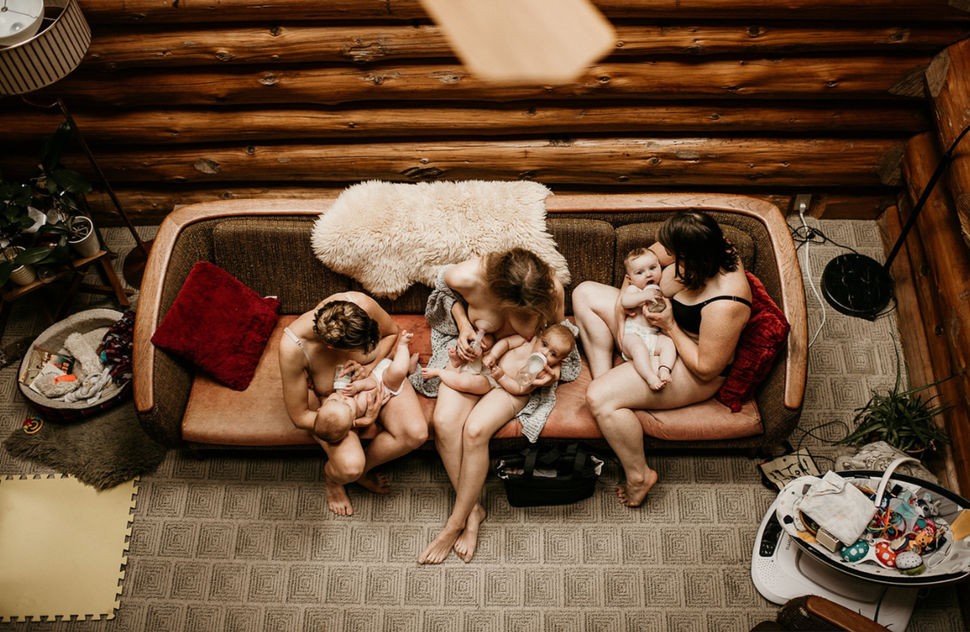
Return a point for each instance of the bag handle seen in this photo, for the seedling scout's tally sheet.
(889, 471)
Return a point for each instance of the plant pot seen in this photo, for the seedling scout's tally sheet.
(21, 275)
(88, 245)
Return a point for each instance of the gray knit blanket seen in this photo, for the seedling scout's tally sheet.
(444, 333)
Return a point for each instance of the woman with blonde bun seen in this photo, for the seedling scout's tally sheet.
(347, 335)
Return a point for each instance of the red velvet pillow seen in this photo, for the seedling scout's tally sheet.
(761, 340)
(219, 325)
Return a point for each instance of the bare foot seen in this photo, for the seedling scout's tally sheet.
(440, 547)
(337, 498)
(632, 493)
(456, 360)
(375, 482)
(467, 542)
(414, 363)
(654, 382)
(430, 372)
(664, 375)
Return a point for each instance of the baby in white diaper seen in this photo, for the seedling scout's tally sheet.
(652, 352)
(344, 408)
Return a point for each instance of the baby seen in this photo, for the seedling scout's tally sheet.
(344, 408)
(641, 340)
(507, 364)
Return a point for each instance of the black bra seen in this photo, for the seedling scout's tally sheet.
(688, 317)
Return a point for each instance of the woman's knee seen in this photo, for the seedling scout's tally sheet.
(415, 432)
(581, 294)
(476, 435)
(599, 400)
(347, 468)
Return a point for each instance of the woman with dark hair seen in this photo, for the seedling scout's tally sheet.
(481, 301)
(709, 304)
(348, 334)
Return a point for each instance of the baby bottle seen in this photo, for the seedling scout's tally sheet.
(339, 381)
(528, 373)
(655, 299)
(475, 366)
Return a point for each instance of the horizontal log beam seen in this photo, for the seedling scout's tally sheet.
(156, 47)
(631, 161)
(205, 125)
(161, 11)
(949, 264)
(150, 204)
(862, 77)
(948, 79)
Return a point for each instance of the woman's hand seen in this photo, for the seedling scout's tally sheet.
(355, 370)
(466, 340)
(375, 400)
(664, 320)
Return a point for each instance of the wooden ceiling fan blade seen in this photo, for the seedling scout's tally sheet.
(545, 42)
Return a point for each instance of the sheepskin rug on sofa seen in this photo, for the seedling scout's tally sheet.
(389, 236)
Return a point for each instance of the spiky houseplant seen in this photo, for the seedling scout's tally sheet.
(900, 418)
(51, 191)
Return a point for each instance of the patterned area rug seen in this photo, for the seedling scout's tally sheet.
(246, 542)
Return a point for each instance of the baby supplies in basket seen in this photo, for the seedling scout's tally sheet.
(877, 526)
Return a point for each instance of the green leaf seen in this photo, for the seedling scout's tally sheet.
(32, 255)
(52, 148)
(70, 181)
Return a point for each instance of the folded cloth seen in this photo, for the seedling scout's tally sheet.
(444, 333)
(838, 506)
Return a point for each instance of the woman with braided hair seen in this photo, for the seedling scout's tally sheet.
(348, 334)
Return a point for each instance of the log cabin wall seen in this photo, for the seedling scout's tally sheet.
(191, 101)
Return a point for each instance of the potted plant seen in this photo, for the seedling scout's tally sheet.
(900, 418)
(39, 215)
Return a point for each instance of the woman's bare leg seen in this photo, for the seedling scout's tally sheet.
(494, 410)
(345, 464)
(405, 429)
(612, 400)
(594, 306)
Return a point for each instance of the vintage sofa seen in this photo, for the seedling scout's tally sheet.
(266, 245)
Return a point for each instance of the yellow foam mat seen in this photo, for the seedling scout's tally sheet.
(62, 546)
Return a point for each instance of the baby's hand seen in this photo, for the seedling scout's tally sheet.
(351, 389)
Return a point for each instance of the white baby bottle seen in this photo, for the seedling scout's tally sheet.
(528, 373)
(655, 299)
(340, 381)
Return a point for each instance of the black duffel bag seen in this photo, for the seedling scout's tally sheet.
(549, 475)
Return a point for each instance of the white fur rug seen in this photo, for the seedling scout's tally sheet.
(389, 236)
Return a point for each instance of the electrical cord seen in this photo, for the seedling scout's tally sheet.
(810, 234)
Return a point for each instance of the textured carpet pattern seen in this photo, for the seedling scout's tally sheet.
(247, 543)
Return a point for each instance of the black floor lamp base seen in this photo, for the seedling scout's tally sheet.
(856, 285)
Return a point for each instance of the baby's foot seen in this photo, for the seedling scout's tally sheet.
(430, 372)
(664, 375)
(654, 382)
(405, 339)
(456, 360)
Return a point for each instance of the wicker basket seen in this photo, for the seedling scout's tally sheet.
(93, 323)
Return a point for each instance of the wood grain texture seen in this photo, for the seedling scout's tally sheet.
(166, 126)
(917, 317)
(949, 263)
(949, 81)
(837, 77)
(172, 46)
(166, 11)
(604, 161)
